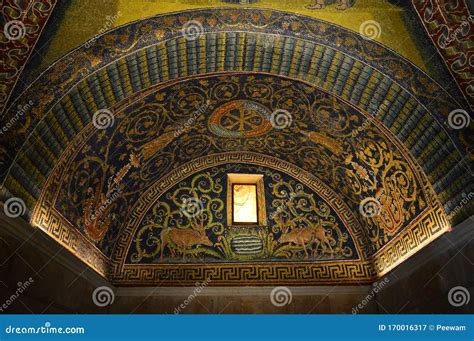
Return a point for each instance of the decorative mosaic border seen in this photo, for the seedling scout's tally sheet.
(429, 226)
(426, 228)
(46, 218)
(56, 226)
(75, 73)
(247, 274)
(367, 88)
(162, 185)
(447, 30)
(31, 19)
(405, 244)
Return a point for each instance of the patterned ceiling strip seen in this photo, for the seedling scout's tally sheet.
(327, 273)
(450, 25)
(359, 81)
(22, 24)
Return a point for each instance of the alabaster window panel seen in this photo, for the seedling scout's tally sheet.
(244, 204)
(245, 199)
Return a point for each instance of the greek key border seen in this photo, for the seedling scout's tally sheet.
(128, 229)
(247, 274)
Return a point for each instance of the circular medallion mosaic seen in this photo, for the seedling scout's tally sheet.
(240, 118)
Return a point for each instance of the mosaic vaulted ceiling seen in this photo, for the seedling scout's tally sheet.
(122, 130)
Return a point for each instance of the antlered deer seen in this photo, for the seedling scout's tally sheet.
(299, 236)
(184, 239)
(306, 235)
(322, 238)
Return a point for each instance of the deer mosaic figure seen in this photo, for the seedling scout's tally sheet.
(308, 235)
(184, 239)
(323, 239)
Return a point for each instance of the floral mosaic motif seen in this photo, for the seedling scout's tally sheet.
(450, 27)
(374, 171)
(167, 227)
(301, 225)
(21, 28)
(327, 138)
(302, 222)
(67, 72)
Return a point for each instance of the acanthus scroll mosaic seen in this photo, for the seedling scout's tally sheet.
(22, 25)
(110, 171)
(153, 51)
(301, 225)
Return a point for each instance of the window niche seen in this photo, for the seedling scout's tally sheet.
(246, 200)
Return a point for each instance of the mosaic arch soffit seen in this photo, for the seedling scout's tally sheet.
(156, 168)
(388, 88)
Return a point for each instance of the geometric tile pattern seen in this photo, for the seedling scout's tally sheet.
(129, 62)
